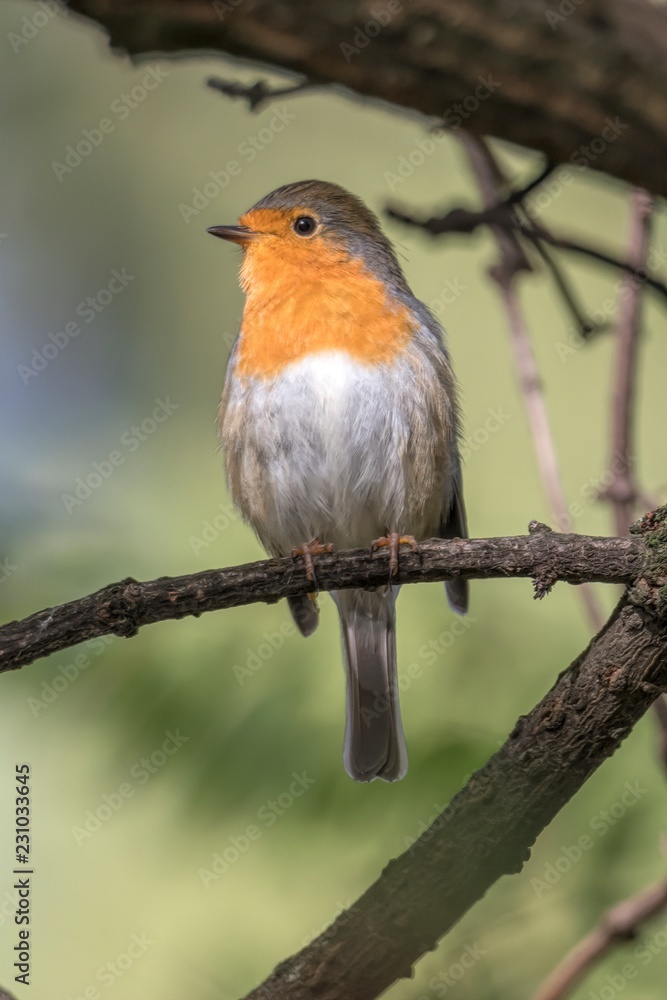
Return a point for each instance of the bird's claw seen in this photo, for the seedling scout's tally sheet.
(393, 540)
(309, 549)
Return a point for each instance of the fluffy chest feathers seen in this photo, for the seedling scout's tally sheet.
(326, 302)
(338, 449)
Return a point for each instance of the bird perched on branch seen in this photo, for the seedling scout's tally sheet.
(339, 424)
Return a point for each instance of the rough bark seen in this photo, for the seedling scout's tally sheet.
(488, 828)
(122, 608)
(553, 81)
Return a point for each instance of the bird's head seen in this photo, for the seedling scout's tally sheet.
(307, 228)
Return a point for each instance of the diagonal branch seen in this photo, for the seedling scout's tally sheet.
(488, 828)
(620, 924)
(503, 214)
(123, 608)
(585, 327)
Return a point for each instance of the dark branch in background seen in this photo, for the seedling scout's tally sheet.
(661, 712)
(534, 232)
(488, 828)
(503, 214)
(623, 492)
(590, 88)
(585, 327)
(257, 94)
(623, 921)
(505, 274)
(429, 59)
(499, 215)
(618, 926)
(123, 608)
(519, 195)
(489, 177)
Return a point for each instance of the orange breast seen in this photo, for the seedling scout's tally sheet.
(314, 299)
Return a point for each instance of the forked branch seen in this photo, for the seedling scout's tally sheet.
(488, 828)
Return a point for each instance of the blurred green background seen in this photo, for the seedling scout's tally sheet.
(250, 703)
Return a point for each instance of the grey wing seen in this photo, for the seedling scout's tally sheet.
(454, 525)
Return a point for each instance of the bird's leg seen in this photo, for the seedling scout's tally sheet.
(309, 549)
(393, 540)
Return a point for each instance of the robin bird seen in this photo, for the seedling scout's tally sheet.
(339, 424)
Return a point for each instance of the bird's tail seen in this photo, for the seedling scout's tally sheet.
(374, 742)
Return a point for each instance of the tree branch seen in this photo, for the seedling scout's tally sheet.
(619, 925)
(488, 828)
(661, 713)
(505, 274)
(586, 89)
(503, 215)
(622, 491)
(585, 326)
(259, 93)
(123, 608)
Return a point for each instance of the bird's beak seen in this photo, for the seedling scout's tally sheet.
(235, 234)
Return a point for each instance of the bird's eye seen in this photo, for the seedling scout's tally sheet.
(305, 225)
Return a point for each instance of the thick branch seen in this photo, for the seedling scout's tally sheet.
(122, 608)
(589, 86)
(488, 828)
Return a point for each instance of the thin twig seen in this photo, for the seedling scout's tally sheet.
(619, 925)
(258, 93)
(661, 713)
(501, 213)
(622, 491)
(585, 327)
(486, 171)
(534, 231)
(518, 196)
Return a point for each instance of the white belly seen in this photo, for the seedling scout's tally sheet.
(331, 450)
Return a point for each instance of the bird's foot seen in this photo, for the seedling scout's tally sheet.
(393, 540)
(309, 549)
